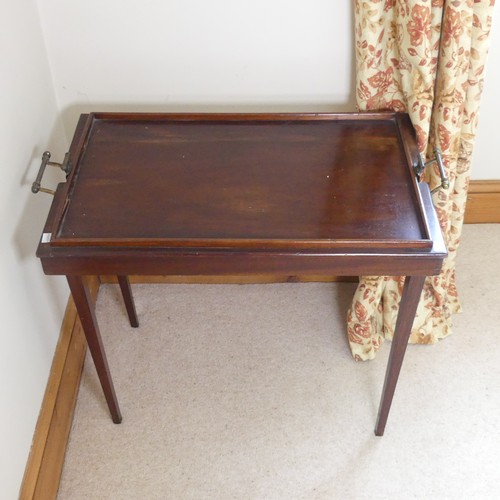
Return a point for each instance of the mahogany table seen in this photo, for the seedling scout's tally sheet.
(227, 194)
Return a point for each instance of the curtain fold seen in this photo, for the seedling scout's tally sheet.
(425, 57)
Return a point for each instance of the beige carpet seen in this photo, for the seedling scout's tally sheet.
(250, 392)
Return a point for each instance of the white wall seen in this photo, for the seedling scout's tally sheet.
(485, 159)
(198, 55)
(31, 304)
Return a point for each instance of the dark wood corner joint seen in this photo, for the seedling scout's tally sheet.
(242, 194)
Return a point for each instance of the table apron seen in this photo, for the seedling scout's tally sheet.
(240, 263)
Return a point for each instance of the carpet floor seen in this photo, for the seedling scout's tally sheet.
(250, 392)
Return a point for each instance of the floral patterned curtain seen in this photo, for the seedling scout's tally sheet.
(425, 57)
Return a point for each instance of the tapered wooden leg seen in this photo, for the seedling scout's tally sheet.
(407, 309)
(84, 306)
(129, 300)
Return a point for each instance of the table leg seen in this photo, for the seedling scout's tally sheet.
(129, 300)
(84, 306)
(407, 309)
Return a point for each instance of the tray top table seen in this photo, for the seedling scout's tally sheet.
(222, 194)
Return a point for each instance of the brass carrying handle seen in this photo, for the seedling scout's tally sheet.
(420, 167)
(37, 184)
(445, 182)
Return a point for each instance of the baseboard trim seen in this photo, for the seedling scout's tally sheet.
(44, 466)
(483, 202)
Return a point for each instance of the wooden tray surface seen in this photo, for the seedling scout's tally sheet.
(244, 181)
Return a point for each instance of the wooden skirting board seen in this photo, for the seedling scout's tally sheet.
(44, 466)
(45, 461)
(483, 202)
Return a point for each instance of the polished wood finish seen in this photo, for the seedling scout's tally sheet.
(225, 195)
(124, 283)
(81, 296)
(407, 309)
(253, 183)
